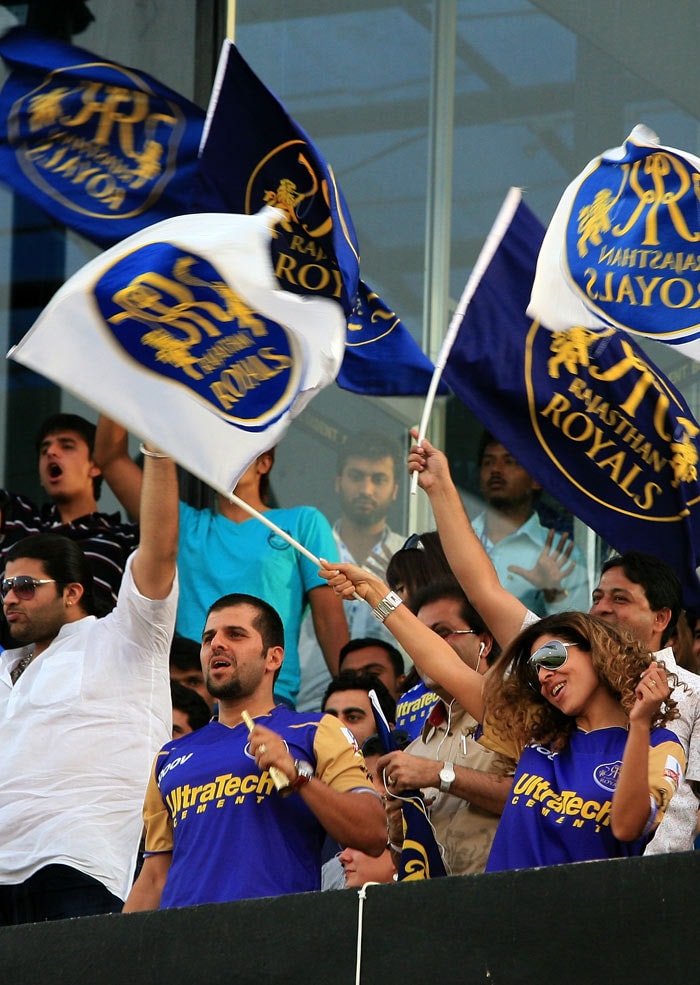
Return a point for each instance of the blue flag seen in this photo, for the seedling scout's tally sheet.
(104, 149)
(623, 246)
(585, 412)
(255, 154)
(420, 854)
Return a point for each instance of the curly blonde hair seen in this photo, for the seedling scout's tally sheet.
(516, 709)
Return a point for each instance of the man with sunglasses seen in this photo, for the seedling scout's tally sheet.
(635, 591)
(84, 707)
(71, 479)
(464, 783)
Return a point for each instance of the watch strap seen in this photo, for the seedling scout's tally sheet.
(387, 605)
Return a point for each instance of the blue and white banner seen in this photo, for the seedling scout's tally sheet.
(585, 412)
(182, 335)
(254, 154)
(104, 149)
(623, 246)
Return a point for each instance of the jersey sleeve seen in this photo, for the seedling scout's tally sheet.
(339, 762)
(666, 765)
(156, 816)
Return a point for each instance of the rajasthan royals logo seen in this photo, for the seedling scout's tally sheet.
(595, 400)
(176, 316)
(103, 146)
(633, 242)
(316, 237)
(606, 775)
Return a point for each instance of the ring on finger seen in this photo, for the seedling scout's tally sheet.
(392, 781)
(262, 748)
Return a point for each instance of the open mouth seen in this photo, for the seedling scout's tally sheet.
(557, 688)
(54, 471)
(218, 662)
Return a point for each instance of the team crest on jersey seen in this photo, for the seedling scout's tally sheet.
(606, 775)
(633, 242)
(174, 313)
(103, 147)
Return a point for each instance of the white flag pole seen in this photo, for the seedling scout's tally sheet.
(496, 233)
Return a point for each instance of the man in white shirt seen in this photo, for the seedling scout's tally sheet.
(84, 707)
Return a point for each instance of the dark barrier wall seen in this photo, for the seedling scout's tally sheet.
(597, 923)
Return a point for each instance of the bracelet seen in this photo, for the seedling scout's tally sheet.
(151, 454)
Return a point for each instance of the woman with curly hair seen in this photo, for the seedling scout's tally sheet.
(581, 706)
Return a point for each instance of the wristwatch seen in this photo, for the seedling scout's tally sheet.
(447, 777)
(305, 772)
(386, 606)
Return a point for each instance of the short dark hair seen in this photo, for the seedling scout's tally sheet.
(440, 590)
(267, 621)
(62, 559)
(71, 422)
(347, 681)
(661, 584)
(369, 444)
(185, 654)
(186, 700)
(420, 565)
(361, 642)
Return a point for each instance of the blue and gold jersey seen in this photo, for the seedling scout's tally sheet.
(559, 806)
(232, 836)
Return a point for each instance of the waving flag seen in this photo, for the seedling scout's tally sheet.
(181, 334)
(255, 154)
(420, 856)
(585, 412)
(623, 246)
(104, 149)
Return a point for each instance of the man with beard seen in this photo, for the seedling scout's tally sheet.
(217, 829)
(522, 550)
(366, 484)
(72, 480)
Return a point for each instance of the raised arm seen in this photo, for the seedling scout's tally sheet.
(502, 611)
(154, 562)
(432, 655)
(121, 473)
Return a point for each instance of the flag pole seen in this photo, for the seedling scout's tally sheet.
(282, 533)
(501, 223)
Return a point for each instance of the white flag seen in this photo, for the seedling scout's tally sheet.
(623, 246)
(182, 334)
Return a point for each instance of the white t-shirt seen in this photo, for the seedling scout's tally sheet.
(78, 732)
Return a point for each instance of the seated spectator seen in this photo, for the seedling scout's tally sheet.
(421, 561)
(72, 480)
(542, 569)
(371, 655)
(190, 710)
(465, 785)
(347, 699)
(359, 868)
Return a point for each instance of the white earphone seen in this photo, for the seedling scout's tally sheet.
(482, 647)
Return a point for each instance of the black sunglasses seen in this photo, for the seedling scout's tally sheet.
(24, 586)
(413, 543)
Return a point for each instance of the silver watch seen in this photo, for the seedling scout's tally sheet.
(447, 777)
(386, 606)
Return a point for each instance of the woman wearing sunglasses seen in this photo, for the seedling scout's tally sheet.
(580, 705)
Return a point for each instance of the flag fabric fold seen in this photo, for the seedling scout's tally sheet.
(254, 154)
(181, 334)
(623, 246)
(421, 857)
(102, 148)
(585, 412)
